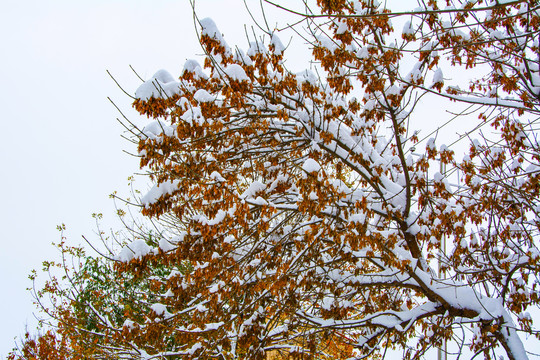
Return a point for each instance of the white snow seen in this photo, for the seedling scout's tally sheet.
(431, 144)
(407, 28)
(342, 27)
(306, 76)
(327, 43)
(214, 326)
(193, 115)
(438, 77)
(159, 309)
(255, 47)
(194, 348)
(236, 72)
(258, 201)
(158, 127)
(161, 85)
(363, 52)
(311, 165)
(166, 245)
(253, 189)
(278, 45)
(193, 66)
(327, 303)
(166, 187)
(210, 28)
(216, 176)
(136, 249)
(128, 324)
(203, 96)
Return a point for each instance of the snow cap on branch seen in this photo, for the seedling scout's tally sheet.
(160, 85)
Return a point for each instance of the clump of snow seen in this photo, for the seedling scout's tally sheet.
(217, 176)
(164, 76)
(220, 216)
(341, 187)
(438, 77)
(203, 96)
(357, 218)
(259, 201)
(160, 85)
(306, 76)
(166, 187)
(370, 105)
(241, 57)
(214, 288)
(327, 303)
(393, 90)
(210, 29)
(342, 27)
(255, 48)
(168, 244)
(253, 189)
(236, 72)
(214, 326)
(194, 348)
(156, 128)
(128, 324)
(194, 67)
(327, 43)
(159, 309)
(191, 65)
(363, 52)
(193, 115)
(278, 45)
(496, 35)
(438, 177)
(310, 166)
(415, 73)
(136, 249)
(407, 29)
(431, 144)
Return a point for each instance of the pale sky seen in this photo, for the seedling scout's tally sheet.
(61, 153)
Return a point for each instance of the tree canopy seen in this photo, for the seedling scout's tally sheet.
(314, 214)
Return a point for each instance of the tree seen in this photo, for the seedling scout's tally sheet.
(89, 307)
(306, 205)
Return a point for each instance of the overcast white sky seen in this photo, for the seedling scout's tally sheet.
(61, 152)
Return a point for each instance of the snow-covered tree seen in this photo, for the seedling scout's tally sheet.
(319, 211)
